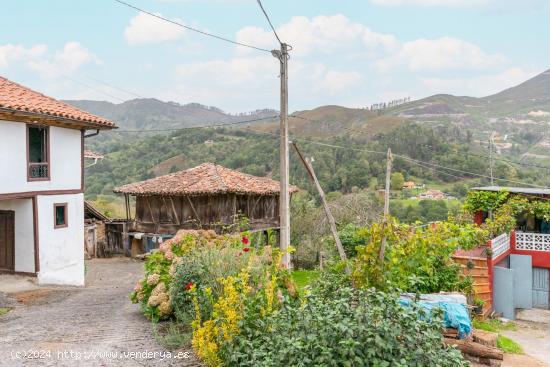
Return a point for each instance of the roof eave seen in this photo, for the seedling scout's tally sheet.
(9, 114)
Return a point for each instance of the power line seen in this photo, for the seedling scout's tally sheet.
(200, 126)
(115, 87)
(92, 88)
(191, 28)
(465, 153)
(418, 162)
(269, 21)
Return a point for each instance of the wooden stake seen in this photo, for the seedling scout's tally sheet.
(386, 203)
(332, 223)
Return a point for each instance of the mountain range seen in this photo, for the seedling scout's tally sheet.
(519, 117)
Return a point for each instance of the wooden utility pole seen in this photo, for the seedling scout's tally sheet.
(388, 183)
(491, 143)
(284, 205)
(332, 223)
(386, 203)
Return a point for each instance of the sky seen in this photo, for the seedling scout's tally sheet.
(347, 52)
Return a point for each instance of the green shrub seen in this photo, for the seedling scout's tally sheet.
(153, 291)
(351, 236)
(201, 270)
(415, 259)
(353, 328)
(221, 312)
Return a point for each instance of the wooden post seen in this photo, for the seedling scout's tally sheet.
(386, 203)
(332, 223)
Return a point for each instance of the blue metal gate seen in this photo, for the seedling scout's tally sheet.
(541, 287)
(523, 278)
(514, 287)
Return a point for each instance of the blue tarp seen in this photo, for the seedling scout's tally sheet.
(456, 314)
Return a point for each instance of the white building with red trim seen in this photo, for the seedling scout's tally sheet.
(42, 184)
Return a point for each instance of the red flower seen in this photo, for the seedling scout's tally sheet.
(189, 286)
(246, 249)
(245, 240)
(240, 254)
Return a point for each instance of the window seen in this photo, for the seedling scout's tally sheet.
(60, 215)
(38, 167)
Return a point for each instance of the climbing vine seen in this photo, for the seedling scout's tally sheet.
(504, 209)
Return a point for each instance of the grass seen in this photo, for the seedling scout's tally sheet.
(4, 310)
(303, 278)
(172, 335)
(494, 325)
(505, 344)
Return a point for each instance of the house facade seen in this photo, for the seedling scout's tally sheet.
(519, 261)
(42, 185)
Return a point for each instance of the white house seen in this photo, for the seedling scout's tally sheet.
(42, 184)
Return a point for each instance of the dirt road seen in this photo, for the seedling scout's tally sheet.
(92, 326)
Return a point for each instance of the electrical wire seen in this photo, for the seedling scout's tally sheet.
(115, 87)
(418, 162)
(92, 88)
(200, 126)
(191, 28)
(269, 21)
(465, 153)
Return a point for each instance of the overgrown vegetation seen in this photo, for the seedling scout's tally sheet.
(238, 305)
(416, 259)
(352, 327)
(153, 292)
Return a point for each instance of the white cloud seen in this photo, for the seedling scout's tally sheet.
(10, 53)
(444, 53)
(337, 61)
(144, 29)
(71, 58)
(478, 86)
(252, 82)
(321, 34)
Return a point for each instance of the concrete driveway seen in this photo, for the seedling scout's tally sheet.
(533, 334)
(92, 326)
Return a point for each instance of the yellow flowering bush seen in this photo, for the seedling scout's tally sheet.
(152, 292)
(256, 292)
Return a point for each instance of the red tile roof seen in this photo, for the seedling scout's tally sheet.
(92, 155)
(16, 97)
(206, 179)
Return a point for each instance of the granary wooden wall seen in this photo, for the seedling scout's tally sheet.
(167, 214)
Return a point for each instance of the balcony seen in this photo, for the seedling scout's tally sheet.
(38, 171)
(500, 245)
(528, 241)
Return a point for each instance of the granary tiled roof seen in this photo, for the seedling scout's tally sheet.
(18, 98)
(208, 179)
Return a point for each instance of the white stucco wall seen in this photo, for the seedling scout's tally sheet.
(24, 233)
(61, 249)
(65, 159)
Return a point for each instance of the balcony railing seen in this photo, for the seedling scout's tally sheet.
(532, 241)
(500, 245)
(39, 171)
